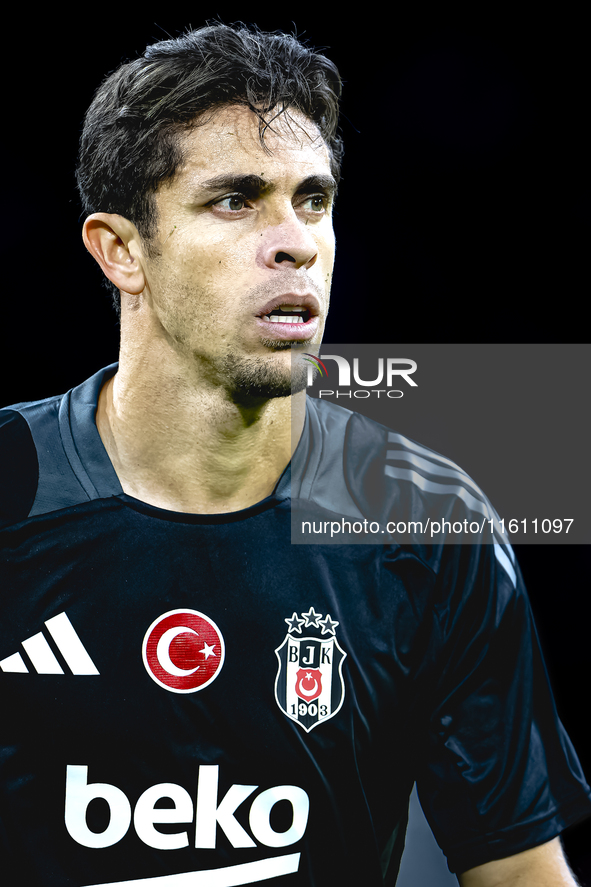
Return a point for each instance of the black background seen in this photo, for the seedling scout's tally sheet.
(461, 217)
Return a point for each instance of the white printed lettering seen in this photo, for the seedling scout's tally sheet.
(146, 814)
(79, 794)
(210, 814)
(260, 815)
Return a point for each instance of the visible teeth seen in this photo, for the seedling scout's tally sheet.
(284, 318)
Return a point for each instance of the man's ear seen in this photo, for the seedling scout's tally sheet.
(114, 242)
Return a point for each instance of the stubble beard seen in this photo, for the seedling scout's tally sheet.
(251, 379)
(263, 378)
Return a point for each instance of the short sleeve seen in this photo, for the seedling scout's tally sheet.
(498, 773)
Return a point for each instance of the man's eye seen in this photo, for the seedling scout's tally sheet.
(235, 202)
(318, 203)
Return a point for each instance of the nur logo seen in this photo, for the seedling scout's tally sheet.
(315, 361)
(309, 686)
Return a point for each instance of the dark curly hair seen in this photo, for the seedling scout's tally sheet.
(131, 138)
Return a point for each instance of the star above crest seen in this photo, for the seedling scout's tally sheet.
(295, 623)
(312, 618)
(328, 625)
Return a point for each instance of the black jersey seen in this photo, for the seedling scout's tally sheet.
(194, 700)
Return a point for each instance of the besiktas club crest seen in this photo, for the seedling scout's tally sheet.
(309, 687)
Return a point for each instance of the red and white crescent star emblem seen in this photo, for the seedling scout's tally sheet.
(183, 651)
(308, 683)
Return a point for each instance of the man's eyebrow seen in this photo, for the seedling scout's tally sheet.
(253, 185)
(318, 182)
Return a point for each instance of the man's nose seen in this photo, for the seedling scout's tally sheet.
(289, 243)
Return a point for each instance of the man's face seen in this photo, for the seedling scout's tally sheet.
(245, 243)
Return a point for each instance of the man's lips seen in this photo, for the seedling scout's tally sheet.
(290, 316)
(305, 303)
(300, 331)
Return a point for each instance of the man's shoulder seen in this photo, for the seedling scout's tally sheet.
(358, 435)
(389, 476)
(20, 422)
(40, 464)
(370, 450)
(19, 462)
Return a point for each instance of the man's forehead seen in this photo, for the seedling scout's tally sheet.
(232, 136)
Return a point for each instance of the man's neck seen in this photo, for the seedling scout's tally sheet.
(191, 449)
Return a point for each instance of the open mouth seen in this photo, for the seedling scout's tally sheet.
(290, 317)
(287, 314)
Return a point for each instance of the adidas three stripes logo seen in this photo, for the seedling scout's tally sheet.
(42, 656)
